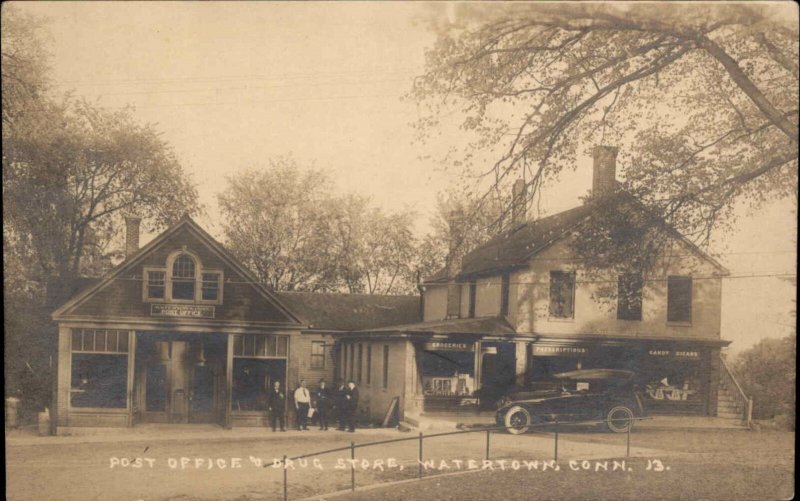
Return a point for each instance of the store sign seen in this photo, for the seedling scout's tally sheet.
(674, 353)
(447, 346)
(557, 351)
(181, 310)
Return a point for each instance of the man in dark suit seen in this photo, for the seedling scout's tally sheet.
(276, 403)
(341, 404)
(322, 399)
(351, 405)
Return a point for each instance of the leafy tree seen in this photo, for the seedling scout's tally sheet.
(286, 225)
(372, 252)
(461, 223)
(700, 98)
(767, 373)
(69, 179)
(70, 171)
(24, 64)
(273, 220)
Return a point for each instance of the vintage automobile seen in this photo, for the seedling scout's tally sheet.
(575, 396)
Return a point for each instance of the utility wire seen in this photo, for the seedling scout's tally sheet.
(541, 282)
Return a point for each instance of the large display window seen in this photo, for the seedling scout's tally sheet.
(99, 368)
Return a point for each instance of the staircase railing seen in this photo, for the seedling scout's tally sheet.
(743, 403)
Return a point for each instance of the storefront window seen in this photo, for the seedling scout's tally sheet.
(99, 368)
(260, 345)
(258, 361)
(448, 373)
(251, 381)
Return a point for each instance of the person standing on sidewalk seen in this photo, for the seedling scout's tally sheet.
(351, 405)
(341, 405)
(276, 404)
(323, 398)
(302, 402)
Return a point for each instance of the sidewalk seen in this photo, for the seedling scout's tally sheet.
(164, 433)
(448, 422)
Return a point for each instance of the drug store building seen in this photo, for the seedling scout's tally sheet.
(523, 307)
(181, 332)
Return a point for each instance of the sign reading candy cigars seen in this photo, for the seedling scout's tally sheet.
(182, 310)
(692, 354)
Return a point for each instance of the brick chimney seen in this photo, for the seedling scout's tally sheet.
(131, 235)
(519, 203)
(453, 264)
(605, 170)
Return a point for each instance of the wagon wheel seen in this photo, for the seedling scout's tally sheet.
(517, 420)
(619, 419)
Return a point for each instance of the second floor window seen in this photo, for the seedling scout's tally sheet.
(629, 296)
(210, 286)
(679, 299)
(156, 284)
(562, 294)
(505, 290)
(473, 292)
(183, 277)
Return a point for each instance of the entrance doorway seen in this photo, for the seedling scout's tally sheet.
(180, 378)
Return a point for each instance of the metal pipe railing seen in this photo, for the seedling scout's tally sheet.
(421, 437)
(744, 403)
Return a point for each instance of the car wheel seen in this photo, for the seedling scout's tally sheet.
(518, 420)
(619, 419)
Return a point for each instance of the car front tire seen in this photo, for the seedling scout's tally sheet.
(619, 419)
(517, 420)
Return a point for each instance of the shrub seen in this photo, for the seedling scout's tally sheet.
(767, 373)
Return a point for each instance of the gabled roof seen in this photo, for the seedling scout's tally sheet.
(481, 325)
(185, 222)
(515, 247)
(351, 312)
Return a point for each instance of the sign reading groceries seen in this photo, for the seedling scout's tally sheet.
(448, 346)
(182, 310)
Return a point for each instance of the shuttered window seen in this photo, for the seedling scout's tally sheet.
(629, 296)
(679, 299)
(562, 294)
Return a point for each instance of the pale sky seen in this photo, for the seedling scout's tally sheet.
(231, 85)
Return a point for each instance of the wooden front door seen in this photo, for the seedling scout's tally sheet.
(179, 381)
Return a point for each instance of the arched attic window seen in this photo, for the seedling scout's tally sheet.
(184, 274)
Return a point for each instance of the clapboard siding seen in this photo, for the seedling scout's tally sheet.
(300, 360)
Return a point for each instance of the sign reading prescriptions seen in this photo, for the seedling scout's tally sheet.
(554, 351)
(181, 310)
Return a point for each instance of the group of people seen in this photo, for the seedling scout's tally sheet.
(323, 404)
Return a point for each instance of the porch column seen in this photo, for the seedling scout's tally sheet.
(521, 362)
(478, 364)
(711, 358)
(132, 403)
(64, 376)
(228, 383)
